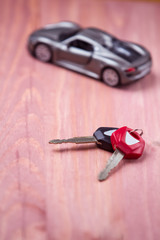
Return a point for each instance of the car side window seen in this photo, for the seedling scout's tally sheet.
(82, 45)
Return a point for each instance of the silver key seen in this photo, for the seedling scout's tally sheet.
(128, 144)
(113, 161)
(101, 137)
(77, 140)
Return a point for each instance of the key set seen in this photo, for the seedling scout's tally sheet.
(125, 142)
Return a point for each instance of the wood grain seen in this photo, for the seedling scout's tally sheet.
(52, 192)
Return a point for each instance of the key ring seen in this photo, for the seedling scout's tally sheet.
(136, 130)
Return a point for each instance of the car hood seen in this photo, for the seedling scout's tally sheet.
(57, 32)
(48, 33)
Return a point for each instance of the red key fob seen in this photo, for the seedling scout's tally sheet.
(128, 141)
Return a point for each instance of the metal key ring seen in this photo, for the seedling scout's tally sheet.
(136, 130)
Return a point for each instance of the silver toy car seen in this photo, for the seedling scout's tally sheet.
(90, 51)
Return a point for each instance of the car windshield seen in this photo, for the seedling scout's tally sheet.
(59, 34)
(66, 34)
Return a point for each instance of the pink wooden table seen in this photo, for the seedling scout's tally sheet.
(52, 192)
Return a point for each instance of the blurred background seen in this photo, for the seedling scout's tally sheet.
(53, 193)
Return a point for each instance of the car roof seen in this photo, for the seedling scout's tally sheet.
(97, 35)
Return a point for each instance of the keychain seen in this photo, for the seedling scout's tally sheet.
(125, 142)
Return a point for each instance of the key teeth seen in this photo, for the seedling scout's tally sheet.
(56, 141)
(102, 176)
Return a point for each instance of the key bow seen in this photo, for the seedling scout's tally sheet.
(128, 141)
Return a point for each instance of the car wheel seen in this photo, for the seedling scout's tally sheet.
(111, 77)
(43, 52)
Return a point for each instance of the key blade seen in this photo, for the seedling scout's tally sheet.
(77, 140)
(113, 161)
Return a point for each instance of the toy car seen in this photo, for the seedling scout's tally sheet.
(90, 51)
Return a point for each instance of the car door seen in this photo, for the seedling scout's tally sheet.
(77, 52)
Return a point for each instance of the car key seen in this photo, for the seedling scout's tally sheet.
(102, 137)
(128, 144)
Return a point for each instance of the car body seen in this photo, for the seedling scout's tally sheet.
(90, 51)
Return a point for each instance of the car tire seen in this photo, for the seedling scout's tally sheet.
(110, 77)
(43, 52)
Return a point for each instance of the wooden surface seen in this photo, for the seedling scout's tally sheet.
(52, 192)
